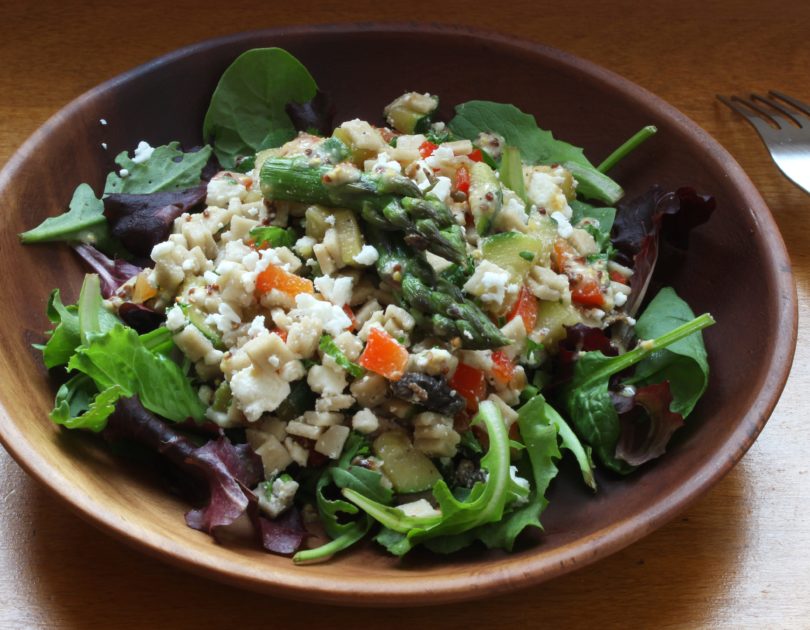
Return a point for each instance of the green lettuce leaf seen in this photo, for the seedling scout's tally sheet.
(168, 168)
(84, 222)
(536, 146)
(247, 110)
(119, 357)
(683, 363)
(328, 346)
(75, 410)
(587, 399)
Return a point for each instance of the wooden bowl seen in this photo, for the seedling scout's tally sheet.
(737, 269)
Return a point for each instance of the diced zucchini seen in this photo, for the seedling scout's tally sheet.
(357, 155)
(197, 319)
(317, 221)
(222, 397)
(412, 112)
(408, 469)
(349, 236)
(486, 196)
(513, 251)
(511, 172)
(543, 228)
(555, 317)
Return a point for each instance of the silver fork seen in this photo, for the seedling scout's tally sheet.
(783, 123)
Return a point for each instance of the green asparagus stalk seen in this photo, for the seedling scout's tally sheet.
(451, 315)
(387, 201)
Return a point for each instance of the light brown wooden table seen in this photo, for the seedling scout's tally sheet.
(738, 558)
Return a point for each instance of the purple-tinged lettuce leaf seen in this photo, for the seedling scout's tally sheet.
(227, 469)
(313, 116)
(141, 221)
(283, 535)
(648, 425)
(142, 318)
(640, 222)
(112, 272)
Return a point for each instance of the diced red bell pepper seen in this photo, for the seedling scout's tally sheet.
(383, 355)
(563, 252)
(427, 148)
(471, 384)
(350, 314)
(281, 333)
(502, 367)
(476, 156)
(587, 292)
(617, 277)
(526, 307)
(462, 180)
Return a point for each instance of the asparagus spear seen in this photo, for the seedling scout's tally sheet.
(387, 201)
(451, 314)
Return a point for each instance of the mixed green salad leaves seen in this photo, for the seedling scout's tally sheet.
(125, 377)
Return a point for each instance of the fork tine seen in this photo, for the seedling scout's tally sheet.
(802, 107)
(758, 123)
(797, 118)
(769, 116)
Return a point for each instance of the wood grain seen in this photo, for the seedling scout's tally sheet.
(739, 557)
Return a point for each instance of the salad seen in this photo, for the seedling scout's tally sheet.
(390, 328)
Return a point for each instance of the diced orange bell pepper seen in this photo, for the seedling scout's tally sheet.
(276, 278)
(471, 384)
(617, 277)
(587, 292)
(383, 355)
(502, 367)
(526, 307)
(563, 252)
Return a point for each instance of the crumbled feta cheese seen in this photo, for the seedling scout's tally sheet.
(564, 228)
(336, 290)
(303, 246)
(175, 318)
(619, 299)
(544, 190)
(142, 152)
(225, 320)
(490, 283)
(123, 173)
(324, 380)
(368, 255)
(439, 156)
(257, 327)
(441, 188)
(418, 509)
(332, 318)
(280, 497)
(257, 391)
(383, 163)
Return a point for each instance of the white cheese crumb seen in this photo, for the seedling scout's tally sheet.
(619, 299)
(332, 318)
(336, 290)
(441, 188)
(175, 319)
(281, 495)
(365, 421)
(123, 173)
(420, 508)
(490, 283)
(142, 152)
(368, 255)
(564, 227)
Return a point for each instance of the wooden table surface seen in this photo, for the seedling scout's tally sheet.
(738, 558)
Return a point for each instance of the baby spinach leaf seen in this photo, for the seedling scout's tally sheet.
(683, 364)
(247, 111)
(536, 145)
(119, 357)
(588, 401)
(84, 221)
(168, 168)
